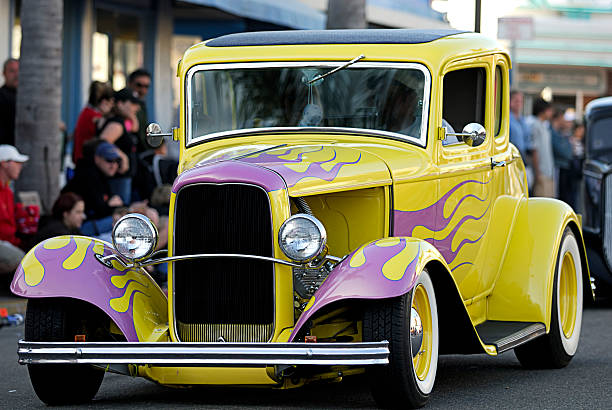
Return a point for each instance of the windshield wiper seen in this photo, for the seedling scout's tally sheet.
(322, 76)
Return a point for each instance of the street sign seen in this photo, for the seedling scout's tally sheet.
(515, 28)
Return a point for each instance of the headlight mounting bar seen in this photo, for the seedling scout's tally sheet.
(106, 259)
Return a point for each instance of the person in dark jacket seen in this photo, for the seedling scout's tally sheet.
(121, 129)
(91, 182)
(154, 170)
(562, 151)
(8, 98)
(139, 82)
(67, 216)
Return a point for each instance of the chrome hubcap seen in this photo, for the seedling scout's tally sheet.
(416, 332)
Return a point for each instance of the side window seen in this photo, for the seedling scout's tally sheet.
(499, 92)
(464, 100)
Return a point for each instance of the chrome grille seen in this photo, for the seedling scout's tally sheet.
(607, 219)
(225, 298)
(224, 332)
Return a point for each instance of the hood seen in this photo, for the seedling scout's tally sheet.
(309, 169)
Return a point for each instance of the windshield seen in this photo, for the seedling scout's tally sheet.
(391, 99)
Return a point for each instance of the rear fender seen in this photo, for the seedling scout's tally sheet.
(66, 266)
(380, 269)
(523, 291)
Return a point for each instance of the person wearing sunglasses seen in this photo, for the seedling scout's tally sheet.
(139, 82)
(91, 182)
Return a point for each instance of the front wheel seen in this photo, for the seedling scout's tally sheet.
(410, 324)
(58, 320)
(556, 349)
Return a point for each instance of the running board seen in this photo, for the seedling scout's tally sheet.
(508, 335)
(204, 354)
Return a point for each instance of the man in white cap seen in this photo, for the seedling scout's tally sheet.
(11, 162)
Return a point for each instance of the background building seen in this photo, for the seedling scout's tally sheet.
(107, 39)
(562, 50)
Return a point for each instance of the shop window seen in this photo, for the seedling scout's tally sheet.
(16, 31)
(117, 47)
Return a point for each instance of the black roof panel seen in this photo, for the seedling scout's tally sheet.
(371, 36)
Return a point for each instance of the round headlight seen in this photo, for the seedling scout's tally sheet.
(135, 237)
(302, 237)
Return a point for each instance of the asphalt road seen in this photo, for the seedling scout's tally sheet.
(474, 382)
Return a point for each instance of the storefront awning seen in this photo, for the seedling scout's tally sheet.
(288, 13)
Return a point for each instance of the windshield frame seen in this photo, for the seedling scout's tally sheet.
(420, 141)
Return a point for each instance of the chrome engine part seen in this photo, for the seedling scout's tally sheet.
(307, 281)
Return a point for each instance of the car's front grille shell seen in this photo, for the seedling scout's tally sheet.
(228, 298)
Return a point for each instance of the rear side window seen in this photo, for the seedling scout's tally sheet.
(499, 92)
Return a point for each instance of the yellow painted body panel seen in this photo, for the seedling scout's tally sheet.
(283, 274)
(523, 291)
(171, 323)
(207, 375)
(343, 216)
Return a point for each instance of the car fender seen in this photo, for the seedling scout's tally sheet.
(380, 269)
(68, 266)
(523, 291)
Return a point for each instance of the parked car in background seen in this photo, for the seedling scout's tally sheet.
(347, 202)
(597, 171)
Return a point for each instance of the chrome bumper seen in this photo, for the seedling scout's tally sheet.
(204, 354)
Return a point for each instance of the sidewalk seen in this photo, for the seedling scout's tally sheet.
(12, 303)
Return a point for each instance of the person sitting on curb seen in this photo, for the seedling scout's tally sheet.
(11, 162)
(91, 182)
(67, 216)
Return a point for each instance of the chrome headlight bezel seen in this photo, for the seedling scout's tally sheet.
(151, 229)
(322, 234)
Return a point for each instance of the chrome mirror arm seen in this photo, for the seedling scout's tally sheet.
(473, 134)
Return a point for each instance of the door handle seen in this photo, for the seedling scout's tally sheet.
(497, 163)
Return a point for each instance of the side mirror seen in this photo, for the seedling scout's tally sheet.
(473, 134)
(155, 136)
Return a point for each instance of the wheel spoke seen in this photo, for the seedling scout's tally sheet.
(422, 360)
(567, 295)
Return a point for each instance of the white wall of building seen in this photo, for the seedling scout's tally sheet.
(87, 30)
(162, 72)
(6, 28)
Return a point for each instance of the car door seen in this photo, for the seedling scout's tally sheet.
(465, 184)
(507, 184)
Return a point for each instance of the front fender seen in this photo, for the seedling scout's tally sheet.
(380, 269)
(66, 266)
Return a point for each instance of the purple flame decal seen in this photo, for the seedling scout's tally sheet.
(314, 169)
(432, 218)
(89, 280)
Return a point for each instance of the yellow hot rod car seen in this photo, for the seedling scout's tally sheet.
(347, 202)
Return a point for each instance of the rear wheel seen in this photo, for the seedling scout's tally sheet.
(409, 377)
(58, 320)
(556, 349)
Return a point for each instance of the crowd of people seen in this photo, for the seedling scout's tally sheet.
(115, 170)
(551, 142)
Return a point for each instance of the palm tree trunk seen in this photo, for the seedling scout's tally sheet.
(346, 14)
(39, 97)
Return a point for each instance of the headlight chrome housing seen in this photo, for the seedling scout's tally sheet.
(135, 237)
(302, 237)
